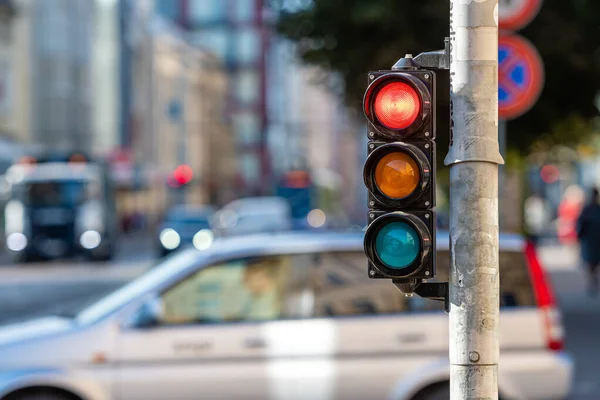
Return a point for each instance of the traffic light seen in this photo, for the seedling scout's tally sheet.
(181, 176)
(399, 173)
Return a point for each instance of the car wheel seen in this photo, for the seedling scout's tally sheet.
(40, 395)
(437, 392)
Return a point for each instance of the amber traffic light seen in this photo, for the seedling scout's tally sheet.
(397, 175)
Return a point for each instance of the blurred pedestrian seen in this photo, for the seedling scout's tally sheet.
(588, 233)
(568, 211)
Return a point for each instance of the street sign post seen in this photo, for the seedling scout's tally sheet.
(516, 14)
(520, 76)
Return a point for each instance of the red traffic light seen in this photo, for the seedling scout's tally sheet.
(397, 105)
(182, 175)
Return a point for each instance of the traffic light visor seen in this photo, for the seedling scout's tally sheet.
(397, 105)
(397, 245)
(397, 175)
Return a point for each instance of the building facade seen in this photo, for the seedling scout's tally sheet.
(178, 101)
(61, 33)
(106, 81)
(17, 85)
(285, 116)
(50, 73)
(6, 67)
(237, 33)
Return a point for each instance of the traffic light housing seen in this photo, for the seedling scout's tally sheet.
(399, 173)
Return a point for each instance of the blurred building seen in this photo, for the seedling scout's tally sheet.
(15, 74)
(106, 81)
(49, 73)
(7, 14)
(310, 128)
(284, 114)
(178, 101)
(9, 146)
(236, 31)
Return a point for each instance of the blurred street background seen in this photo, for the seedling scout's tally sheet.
(189, 106)
(207, 101)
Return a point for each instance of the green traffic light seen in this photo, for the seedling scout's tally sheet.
(397, 244)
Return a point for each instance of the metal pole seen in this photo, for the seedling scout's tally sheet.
(182, 143)
(473, 159)
(502, 173)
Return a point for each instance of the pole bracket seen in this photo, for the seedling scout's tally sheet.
(428, 290)
(439, 59)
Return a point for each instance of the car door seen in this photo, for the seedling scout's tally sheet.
(381, 337)
(209, 342)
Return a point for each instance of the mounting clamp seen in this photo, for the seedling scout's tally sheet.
(439, 59)
(428, 290)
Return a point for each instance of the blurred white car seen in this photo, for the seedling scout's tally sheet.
(252, 215)
(290, 316)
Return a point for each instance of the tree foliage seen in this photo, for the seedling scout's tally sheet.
(352, 37)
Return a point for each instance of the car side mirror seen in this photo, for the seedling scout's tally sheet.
(149, 315)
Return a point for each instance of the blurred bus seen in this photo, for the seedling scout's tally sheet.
(59, 206)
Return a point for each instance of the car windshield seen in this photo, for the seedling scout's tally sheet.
(188, 217)
(196, 222)
(261, 220)
(156, 275)
(52, 193)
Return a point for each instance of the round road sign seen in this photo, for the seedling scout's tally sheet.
(520, 76)
(516, 14)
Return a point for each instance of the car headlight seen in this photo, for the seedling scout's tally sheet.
(16, 241)
(90, 239)
(169, 238)
(203, 239)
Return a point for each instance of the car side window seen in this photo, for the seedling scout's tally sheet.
(252, 289)
(515, 283)
(342, 288)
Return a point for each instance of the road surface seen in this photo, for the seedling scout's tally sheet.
(65, 286)
(581, 316)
